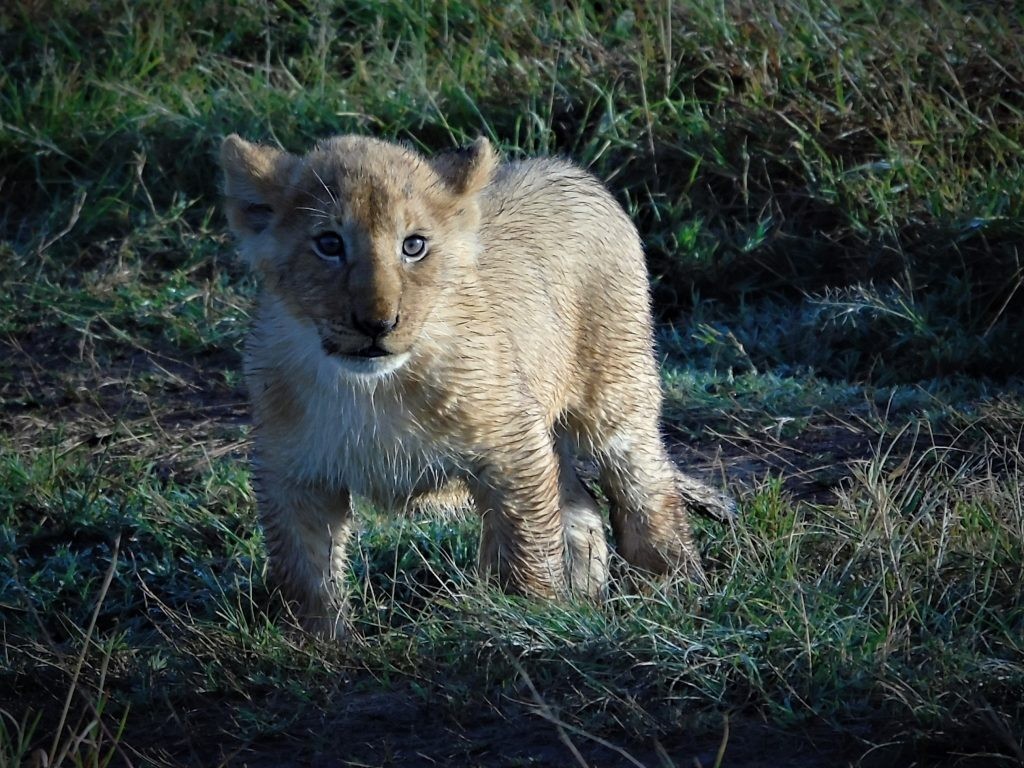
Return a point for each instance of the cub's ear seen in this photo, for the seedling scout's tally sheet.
(468, 170)
(255, 178)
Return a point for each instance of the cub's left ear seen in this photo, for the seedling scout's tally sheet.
(468, 170)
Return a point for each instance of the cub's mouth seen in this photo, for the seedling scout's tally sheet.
(369, 362)
(368, 352)
(371, 351)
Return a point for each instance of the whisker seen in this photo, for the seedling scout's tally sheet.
(307, 193)
(318, 212)
(330, 194)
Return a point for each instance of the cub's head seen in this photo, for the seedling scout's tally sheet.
(358, 238)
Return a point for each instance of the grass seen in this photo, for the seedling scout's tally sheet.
(829, 195)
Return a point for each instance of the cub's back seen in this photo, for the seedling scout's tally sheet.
(563, 265)
(563, 219)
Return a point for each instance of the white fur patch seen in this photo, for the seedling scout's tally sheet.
(366, 369)
(355, 432)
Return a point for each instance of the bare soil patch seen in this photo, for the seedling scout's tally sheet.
(396, 726)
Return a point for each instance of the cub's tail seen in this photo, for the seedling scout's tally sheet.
(701, 498)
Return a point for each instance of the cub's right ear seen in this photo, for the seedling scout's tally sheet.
(255, 180)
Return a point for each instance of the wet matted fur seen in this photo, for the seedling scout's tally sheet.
(445, 326)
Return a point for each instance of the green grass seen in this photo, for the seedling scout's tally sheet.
(829, 193)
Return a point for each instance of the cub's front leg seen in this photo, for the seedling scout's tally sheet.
(516, 490)
(306, 528)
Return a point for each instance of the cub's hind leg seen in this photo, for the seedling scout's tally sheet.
(450, 499)
(307, 530)
(648, 513)
(586, 548)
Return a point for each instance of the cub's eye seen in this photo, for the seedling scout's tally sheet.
(329, 246)
(414, 247)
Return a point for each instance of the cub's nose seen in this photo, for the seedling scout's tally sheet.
(375, 327)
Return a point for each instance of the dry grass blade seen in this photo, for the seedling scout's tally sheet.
(76, 212)
(563, 728)
(57, 758)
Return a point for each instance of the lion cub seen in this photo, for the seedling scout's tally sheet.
(430, 322)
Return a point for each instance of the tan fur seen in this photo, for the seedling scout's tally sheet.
(523, 337)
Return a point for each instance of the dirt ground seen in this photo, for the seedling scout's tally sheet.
(398, 727)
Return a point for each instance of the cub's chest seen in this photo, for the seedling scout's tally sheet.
(367, 439)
